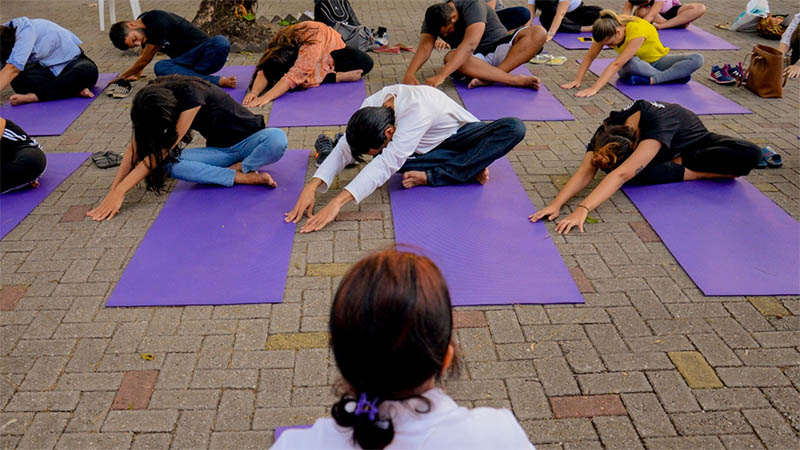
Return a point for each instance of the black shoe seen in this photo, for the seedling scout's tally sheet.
(324, 147)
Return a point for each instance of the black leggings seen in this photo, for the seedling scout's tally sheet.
(348, 59)
(714, 153)
(19, 169)
(573, 21)
(78, 75)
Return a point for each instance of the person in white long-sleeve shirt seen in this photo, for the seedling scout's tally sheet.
(790, 41)
(391, 332)
(417, 130)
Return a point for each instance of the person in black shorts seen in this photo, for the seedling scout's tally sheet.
(162, 113)
(665, 14)
(23, 160)
(650, 143)
(483, 50)
(192, 52)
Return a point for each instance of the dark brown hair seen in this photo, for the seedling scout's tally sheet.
(391, 325)
(281, 53)
(612, 145)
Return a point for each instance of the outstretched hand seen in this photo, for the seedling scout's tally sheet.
(549, 211)
(575, 219)
(321, 219)
(571, 84)
(108, 208)
(305, 204)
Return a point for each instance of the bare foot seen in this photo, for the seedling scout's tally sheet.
(227, 82)
(477, 82)
(414, 178)
(237, 166)
(20, 99)
(87, 93)
(254, 178)
(527, 81)
(351, 75)
(483, 177)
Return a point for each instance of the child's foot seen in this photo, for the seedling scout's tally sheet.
(351, 75)
(21, 99)
(254, 178)
(86, 92)
(477, 82)
(483, 177)
(414, 178)
(227, 82)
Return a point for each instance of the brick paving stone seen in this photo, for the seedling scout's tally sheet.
(141, 421)
(742, 441)
(94, 440)
(716, 422)
(606, 338)
(76, 213)
(296, 341)
(556, 377)
(193, 429)
(483, 370)
(528, 399)
(476, 344)
(771, 428)
(44, 373)
(769, 306)
(469, 319)
(359, 215)
(644, 231)
(752, 376)
(636, 361)
(613, 383)
(245, 440)
(43, 401)
(217, 378)
(90, 412)
(327, 270)
(787, 401)
(583, 282)
(617, 432)
(778, 338)
(648, 415)
(714, 350)
(769, 357)
(559, 430)
(748, 316)
(673, 392)
(135, 390)
(680, 443)
(10, 295)
(235, 410)
(695, 369)
(44, 431)
(732, 333)
(731, 399)
(587, 406)
(268, 419)
(504, 327)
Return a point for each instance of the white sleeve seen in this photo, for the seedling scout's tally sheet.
(786, 37)
(411, 127)
(339, 158)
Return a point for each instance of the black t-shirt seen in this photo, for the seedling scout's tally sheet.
(174, 34)
(221, 119)
(673, 125)
(14, 138)
(471, 12)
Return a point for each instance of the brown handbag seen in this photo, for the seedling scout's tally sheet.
(763, 75)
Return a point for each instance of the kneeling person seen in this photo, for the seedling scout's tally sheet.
(43, 61)
(163, 112)
(417, 130)
(22, 158)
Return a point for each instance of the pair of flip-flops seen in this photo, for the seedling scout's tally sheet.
(769, 159)
(105, 160)
(550, 60)
(119, 89)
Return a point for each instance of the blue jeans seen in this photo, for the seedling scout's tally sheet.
(199, 62)
(514, 17)
(209, 165)
(669, 67)
(462, 156)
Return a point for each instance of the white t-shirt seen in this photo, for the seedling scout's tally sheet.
(445, 426)
(573, 4)
(424, 117)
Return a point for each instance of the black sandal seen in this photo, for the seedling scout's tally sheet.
(105, 160)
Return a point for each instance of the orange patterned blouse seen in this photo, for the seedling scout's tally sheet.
(314, 59)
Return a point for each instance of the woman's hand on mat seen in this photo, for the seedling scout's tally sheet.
(258, 101)
(586, 92)
(575, 219)
(321, 219)
(571, 84)
(248, 98)
(109, 207)
(411, 80)
(792, 71)
(305, 204)
(549, 211)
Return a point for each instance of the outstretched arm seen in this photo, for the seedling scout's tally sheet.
(653, 12)
(641, 157)
(621, 60)
(588, 59)
(561, 11)
(147, 55)
(8, 73)
(464, 51)
(577, 182)
(327, 214)
(422, 54)
(280, 88)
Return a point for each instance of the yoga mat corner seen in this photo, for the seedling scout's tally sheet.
(214, 245)
(482, 240)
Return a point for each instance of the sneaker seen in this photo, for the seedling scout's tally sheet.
(121, 89)
(720, 76)
(734, 72)
(323, 147)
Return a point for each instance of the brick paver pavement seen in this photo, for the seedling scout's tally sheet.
(648, 361)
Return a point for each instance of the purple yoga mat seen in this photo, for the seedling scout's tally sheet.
(279, 430)
(691, 38)
(215, 245)
(692, 95)
(243, 75)
(728, 236)
(482, 240)
(326, 104)
(497, 101)
(16, 205)
(54, 117)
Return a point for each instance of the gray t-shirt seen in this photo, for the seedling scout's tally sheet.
(470, 12)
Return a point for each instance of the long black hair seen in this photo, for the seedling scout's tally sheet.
(281, 54)
(391, 326)
(8, 37)
(154, 117)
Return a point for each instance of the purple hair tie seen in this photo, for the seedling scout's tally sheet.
(364, 406)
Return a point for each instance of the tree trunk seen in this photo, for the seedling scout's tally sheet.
(225, 17)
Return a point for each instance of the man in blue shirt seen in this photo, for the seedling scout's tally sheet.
(192, 52)
(43, 61)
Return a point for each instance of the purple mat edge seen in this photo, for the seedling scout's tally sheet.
(570, 41)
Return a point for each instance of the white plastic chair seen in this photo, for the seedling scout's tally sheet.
(112, 13)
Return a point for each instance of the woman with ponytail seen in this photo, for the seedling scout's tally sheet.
(391, 331)
(641, 60)
(649, 143)
(162, 115)
(303, 56)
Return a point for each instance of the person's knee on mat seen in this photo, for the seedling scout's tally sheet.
(163, 67)
(697, 60)
(514, 127)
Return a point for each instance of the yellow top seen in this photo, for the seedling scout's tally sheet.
(651, 50)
